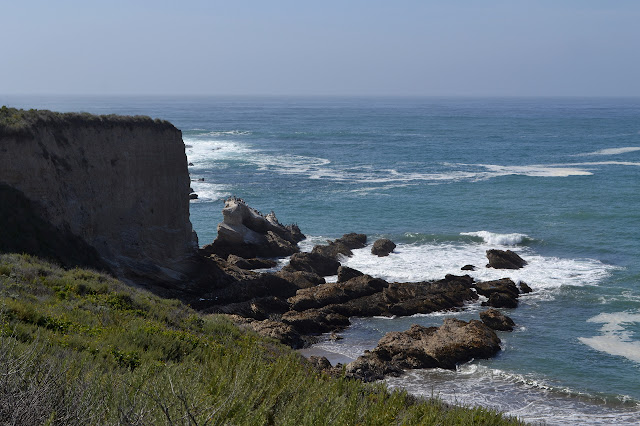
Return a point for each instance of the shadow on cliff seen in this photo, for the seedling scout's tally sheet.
(25, 231)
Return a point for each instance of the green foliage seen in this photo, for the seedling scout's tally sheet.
(79, 347)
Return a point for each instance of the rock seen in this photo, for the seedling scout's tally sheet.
(190, 164)
(504, 259)
(345, 273)
(342, 246)
(259, 308)
(335, 336)
(496, 320)
(382, 247)
(320, 363)
(468, 268)
(274, 329)
(501, 300)
(313, 262)
(453, 343)
(315, 321)
(193, 196)
(502, 293)
(335, 293)
(524, 287)
(301, 279)
(254, 263)
(245, 232)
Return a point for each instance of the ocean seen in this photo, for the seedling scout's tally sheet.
(556, 180)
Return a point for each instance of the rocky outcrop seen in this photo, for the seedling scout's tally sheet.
(119, 185)
(342, 245)
(502, 293)
(345, 273)
(382, 247)
(313, 262)
(247, 233)
(254, 263)
(453, 343)
(524, 287)
(496, 320)
(504, 259)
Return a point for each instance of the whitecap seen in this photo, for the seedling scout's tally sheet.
(611, 151)
(208, 191)
(498, 239)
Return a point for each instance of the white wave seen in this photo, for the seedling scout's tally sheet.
(615, 339)
(208, 191)
(611, 151)
(228, 132)
(528, 397)
(414, 262)
(498, 239)
(535, 170)
(202, 153)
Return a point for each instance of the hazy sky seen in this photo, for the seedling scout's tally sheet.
(347, 47)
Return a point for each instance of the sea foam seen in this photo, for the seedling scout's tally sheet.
(497, 239)
(611, 151)
(615, 339)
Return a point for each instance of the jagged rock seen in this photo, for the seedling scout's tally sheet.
(247, 233)
(320, 363)
(453, 343)
(468, 268)
(254, 263)
(342, 246)
(497, 320)
(524, 288)
(301, 279)
(335, 293)
(504, 259)
(382, 247)
(345, 273)
(313, 262)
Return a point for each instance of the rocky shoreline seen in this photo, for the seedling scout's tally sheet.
(296, 305)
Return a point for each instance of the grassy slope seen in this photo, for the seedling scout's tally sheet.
(79, 347)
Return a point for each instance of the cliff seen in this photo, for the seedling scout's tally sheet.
(114, 188)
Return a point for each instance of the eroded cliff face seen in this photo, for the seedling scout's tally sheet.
(121, 184)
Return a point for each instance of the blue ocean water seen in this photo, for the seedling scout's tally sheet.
(556, 180)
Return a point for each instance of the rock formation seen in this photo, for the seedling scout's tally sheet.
(247, 233)
(504, 259)
(453, 343)
(382, 247)
(119, 185)
(496, 320)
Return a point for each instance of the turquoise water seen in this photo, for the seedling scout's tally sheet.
(557, 180)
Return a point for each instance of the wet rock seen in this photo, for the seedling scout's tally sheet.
(503, 285)
(345, 273)
(468, 268)
(524, 287)
(313, 262)
(341, 246)
(382, 247)
(254, 263)
(504, 259)
(453, 343)
(501, 300)
(193, 196)
(497, 320)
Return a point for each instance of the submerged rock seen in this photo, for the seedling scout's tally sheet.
(382, 247)
(504, 259)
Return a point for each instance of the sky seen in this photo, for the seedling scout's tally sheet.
(347, 47)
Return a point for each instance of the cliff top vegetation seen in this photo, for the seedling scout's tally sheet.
(79, 347)
(20, 121)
